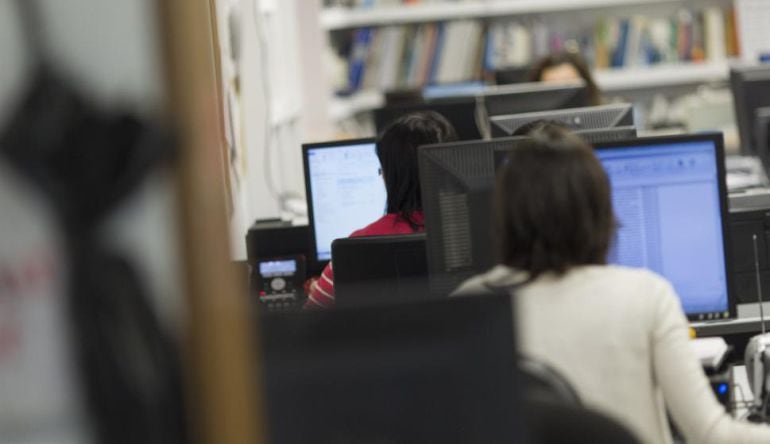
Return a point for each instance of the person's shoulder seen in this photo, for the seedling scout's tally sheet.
(390, 223)
(498, 277)
(625, 273)
(375, 228)
(637, 280)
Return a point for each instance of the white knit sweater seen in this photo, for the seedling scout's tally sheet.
(620, 337)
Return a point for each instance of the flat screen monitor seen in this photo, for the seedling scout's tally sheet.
(457, 181)
(669, 195)
(345, 191)
(534, 96)
(452, 90)
(585, 118)
(593, 136)
(751, 90)
(441, 371)
(670, 198)
(508, 76)
(461, 112)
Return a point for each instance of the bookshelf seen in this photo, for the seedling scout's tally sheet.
(338, 18)
(635, 45)
(609, 81)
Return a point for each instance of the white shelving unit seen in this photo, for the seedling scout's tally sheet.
(658, 76)
(344, 18)
(609, 81)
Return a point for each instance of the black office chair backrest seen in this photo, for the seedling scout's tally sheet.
(543, 382)
(380, 270)
(549, 422)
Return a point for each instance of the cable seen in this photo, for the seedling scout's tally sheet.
(264, 56)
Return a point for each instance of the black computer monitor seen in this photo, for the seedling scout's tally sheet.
(669, 194)
(585, 118)
(533, 97)
(377, 270)
(345, 191)
(751, 90)
(456, 180)
(593, 136)
(440, 371)
(512, 75)
(461, 112)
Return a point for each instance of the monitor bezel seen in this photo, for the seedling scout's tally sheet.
(718, 141)
(306, 147)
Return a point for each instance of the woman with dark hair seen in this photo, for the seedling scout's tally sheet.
(397, 151)
(564, 66)
(617, 334)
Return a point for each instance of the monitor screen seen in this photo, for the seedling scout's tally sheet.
(669, 199)
(345, 191)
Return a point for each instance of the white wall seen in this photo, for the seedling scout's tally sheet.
(267, 169)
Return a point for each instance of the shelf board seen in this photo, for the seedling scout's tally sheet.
(660, 76)
(344, 107)
(608, 80)
(345, 18)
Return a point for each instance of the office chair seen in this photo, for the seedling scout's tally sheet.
(550, 422)
(376, 270)
(543, 382)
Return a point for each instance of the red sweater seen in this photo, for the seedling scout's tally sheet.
(322, 291)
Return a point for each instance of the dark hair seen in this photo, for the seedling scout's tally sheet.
(397, 151)
(538, 125)
(553, 205)
(577, 61)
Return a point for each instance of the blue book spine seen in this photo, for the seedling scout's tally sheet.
(357, 59)
(618, 57)
(436, 56)
(489, 50)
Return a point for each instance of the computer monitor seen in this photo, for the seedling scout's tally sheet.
(380, 270)
(456, 180)
(669, 194)
(440, 371)
(345, 191)
(512, 75)
(586, 118)
(593, 136)
(751, 90)
(453, 90)
(461, 112)
(534, 96)
(670, 198)
(762, 128)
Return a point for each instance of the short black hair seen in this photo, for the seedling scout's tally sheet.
(397, 151)
(553, 205)
(577, 61)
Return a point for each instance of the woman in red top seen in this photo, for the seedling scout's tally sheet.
(397, 151)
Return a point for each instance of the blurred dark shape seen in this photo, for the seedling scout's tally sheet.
(380, 270)
(552, 422)
(459, 111)
(508, 76)
(439, 371)
(543, 382)
(87, 161)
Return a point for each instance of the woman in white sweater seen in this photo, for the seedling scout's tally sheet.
(617, 334)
